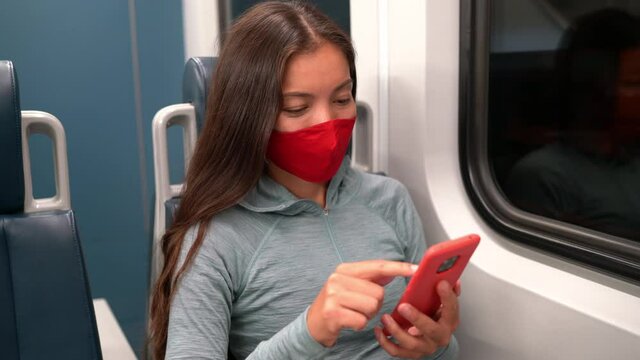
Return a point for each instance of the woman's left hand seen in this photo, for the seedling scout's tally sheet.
(427, 334)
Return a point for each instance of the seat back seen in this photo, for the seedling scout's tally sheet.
(10, 201)
(190, 115)
(45, 301)
(196, 80)
(197, 77)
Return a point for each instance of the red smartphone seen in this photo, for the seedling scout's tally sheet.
(443, 261)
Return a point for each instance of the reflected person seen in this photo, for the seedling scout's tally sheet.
(591, 176)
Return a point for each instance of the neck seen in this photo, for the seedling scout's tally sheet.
(302, 189)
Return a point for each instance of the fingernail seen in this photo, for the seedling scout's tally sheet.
(413, 331)
(414, 268)
(404, 310)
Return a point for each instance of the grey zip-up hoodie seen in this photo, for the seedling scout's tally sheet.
(263, 262)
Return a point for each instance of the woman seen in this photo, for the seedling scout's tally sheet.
(279, 249)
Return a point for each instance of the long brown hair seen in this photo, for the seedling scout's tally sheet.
(244, 102)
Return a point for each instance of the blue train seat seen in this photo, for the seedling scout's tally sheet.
(189, 115)
(195, 90)
(198, 72)
(46, 309)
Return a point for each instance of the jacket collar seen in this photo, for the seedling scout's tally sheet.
(269, 196)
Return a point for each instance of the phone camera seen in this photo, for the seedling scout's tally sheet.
(447, 264)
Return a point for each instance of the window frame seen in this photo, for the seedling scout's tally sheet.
(616, 256)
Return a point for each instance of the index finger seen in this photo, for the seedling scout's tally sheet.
(377, 270)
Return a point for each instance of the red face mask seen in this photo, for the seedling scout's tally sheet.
(313, 154)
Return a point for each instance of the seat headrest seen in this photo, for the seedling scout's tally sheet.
(11, 171)
(195, 84)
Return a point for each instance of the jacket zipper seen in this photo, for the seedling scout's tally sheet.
(325, 211)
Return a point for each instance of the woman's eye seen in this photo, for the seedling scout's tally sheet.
(344, 101)
(295, 111)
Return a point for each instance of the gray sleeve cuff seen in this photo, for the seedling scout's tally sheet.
(292, 342)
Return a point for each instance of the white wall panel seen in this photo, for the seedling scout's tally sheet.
(517, 303)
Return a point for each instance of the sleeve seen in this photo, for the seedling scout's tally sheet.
(200, 316)
(410, 229)
(292, 342)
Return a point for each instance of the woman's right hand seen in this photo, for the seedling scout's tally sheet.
(352, 296)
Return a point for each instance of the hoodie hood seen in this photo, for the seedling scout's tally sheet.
(268, 196)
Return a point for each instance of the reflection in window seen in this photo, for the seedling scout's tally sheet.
(564, 121)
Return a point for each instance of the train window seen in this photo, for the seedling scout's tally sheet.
(550, 124)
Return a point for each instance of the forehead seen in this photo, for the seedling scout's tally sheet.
(325, 67)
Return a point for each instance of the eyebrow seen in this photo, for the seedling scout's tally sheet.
(343, 85)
